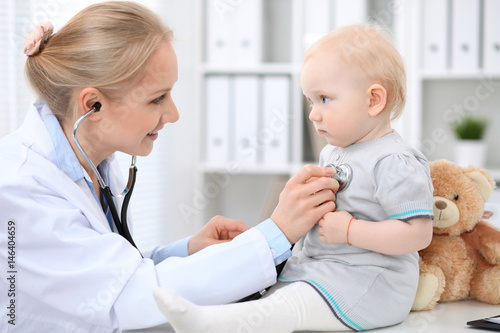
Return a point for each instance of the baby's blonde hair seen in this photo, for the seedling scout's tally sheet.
(105, 46)
(368, 47)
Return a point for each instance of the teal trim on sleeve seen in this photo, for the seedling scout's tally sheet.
(413, 212)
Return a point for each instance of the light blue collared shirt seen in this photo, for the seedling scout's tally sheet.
(278, 244)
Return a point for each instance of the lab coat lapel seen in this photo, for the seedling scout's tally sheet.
(36, 137)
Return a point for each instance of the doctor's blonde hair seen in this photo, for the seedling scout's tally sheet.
(105, 46)
(369, 48)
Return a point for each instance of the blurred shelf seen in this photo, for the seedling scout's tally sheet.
(494, 173)
(457, 75)
(262, 68)
(235, 168)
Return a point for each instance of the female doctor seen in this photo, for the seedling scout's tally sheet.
(66, 269)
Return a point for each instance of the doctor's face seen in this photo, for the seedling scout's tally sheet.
(136, 119)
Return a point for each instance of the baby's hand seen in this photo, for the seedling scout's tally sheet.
(333, 227)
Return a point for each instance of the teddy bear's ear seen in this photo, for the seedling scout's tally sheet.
(483, 180)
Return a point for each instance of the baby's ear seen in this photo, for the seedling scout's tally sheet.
(378, 99)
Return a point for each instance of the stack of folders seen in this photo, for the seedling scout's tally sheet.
(322, 16)
(461, 35)
(234, 31)
(248, 119)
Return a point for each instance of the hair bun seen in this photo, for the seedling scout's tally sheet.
(34, 38)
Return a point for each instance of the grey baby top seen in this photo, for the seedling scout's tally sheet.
(366, 289)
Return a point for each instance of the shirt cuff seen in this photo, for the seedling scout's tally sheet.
(176, 249)
(278, 243)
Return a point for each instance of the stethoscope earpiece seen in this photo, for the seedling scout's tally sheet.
(343, 175)
(96, 107)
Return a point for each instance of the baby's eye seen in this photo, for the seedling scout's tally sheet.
(324, 99)
(159, 99)
(311, 104)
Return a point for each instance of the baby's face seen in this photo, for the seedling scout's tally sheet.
(339, 97)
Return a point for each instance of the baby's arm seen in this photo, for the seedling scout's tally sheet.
(389, 237)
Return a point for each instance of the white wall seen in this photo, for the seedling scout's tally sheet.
(181, 16)
(443, 101)
(493, 205)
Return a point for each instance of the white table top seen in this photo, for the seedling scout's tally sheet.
(446, 317)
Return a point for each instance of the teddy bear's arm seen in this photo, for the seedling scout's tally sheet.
(486, 239)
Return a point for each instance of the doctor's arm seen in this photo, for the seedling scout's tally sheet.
(305, 199)
(218, 230)
(307, 196)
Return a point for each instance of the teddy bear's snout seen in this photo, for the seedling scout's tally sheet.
(446, 213)
(440, 204)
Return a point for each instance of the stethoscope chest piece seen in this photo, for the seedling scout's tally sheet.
(343, 175)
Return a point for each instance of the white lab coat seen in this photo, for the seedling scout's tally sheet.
(72, 274)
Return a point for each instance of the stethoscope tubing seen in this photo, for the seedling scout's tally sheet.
(119, 221)
(126, 200)
(85, 156)
(121, 224)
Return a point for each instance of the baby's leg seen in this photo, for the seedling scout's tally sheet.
(295, 306)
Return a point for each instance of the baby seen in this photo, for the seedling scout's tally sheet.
(358, 268)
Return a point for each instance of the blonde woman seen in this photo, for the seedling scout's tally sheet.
(68, 268)
(358, 268)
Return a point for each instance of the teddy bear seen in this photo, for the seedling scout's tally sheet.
(463, 258)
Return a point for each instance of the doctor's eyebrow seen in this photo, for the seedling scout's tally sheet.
(164, 89)
(161, 90)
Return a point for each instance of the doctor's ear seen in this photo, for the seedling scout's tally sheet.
(378, 99)
(90, 99)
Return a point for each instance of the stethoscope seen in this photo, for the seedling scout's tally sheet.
(121, 224)
(343, 174)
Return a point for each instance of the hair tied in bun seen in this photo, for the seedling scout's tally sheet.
(36, 36)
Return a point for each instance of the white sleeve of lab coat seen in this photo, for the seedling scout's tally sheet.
(218, 274)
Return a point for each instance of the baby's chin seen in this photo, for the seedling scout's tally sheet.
(338, 143)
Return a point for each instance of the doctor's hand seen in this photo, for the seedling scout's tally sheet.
(306, 198)
(219, 229)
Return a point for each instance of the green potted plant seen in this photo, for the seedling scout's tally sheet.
(470, 147)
